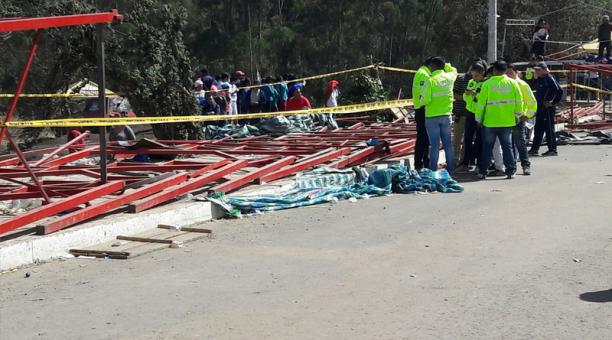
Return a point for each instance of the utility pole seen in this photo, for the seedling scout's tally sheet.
(492, 48)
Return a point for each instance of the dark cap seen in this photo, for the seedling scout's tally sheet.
(438, 62)
(500, 65)
(541, 65)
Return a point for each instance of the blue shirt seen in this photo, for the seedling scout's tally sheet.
(282, 90)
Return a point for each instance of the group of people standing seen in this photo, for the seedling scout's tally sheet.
(236, 94)
(482, 117)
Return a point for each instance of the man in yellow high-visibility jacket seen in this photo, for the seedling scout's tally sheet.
(530, 106)
(499, 105)
(437, 96)
(421, 148)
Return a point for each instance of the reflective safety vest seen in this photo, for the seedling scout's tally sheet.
(437, 94)
(471, 102)
(529, 73)
(418, 82)
(530, 104)
(500, 102)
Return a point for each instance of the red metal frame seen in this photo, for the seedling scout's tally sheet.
(80, 138)
(265, 159)
(59, 206)
(598, 68)
(192, 184)
(253, 175)
(26, 24)
(22, 80)
(304, 165)
(39, 24)
(109, 205)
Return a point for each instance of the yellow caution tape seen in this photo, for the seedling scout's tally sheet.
(594, 89)
(83, 122)
(312, 77)
(56, 95)
(112, 94)
(396, 69)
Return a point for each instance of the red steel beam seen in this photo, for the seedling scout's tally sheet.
(209, 168)
(22, 80)
(304, 165)
(72, 157)
(183, 188)
(27, 166)
(59, 206)
(12, 159)
(25, 24)
(62, 148)
(249, 177)
(110, 204)
(359, 156)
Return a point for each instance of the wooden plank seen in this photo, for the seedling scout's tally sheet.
(145, 239)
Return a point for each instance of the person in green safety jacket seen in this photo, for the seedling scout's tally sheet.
(530, 76)
(519, 132)
(472, 141)
(500, 104)
(421, 148)
(437, 96)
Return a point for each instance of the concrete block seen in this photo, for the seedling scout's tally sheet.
(33, 248)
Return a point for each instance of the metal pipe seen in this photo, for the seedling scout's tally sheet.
(571, 89)
(61, 148)
(22, 80)
(27, 166)
(102, 102)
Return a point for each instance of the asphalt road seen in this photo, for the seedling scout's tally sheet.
(528, 258)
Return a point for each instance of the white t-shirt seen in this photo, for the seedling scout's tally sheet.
(540, 34)
(332, 101)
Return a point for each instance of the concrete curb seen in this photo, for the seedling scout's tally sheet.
(33, 249)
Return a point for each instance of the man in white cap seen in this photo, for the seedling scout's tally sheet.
(603, 35)
(198, 85)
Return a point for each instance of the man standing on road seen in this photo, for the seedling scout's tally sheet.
(499, 105)
(472, 143)
(460, 112)
(421, 149)
(548, 95)
(437, 96)
(520, 129)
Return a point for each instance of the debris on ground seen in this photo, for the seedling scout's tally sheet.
(330, 185)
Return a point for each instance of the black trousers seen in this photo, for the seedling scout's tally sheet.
(545, 123)
(421, 149)
(471, 141)
(538, 48)
(604, 46)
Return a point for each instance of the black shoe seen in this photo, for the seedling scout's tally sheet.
(550, 153)
(526, 171)
(496, 173)
(533, 153)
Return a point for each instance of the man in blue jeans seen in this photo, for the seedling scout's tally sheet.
(520, 130)
(437, 96)
(500, 103)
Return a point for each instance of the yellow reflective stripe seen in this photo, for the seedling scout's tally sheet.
(501, 102)
(440, 94)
